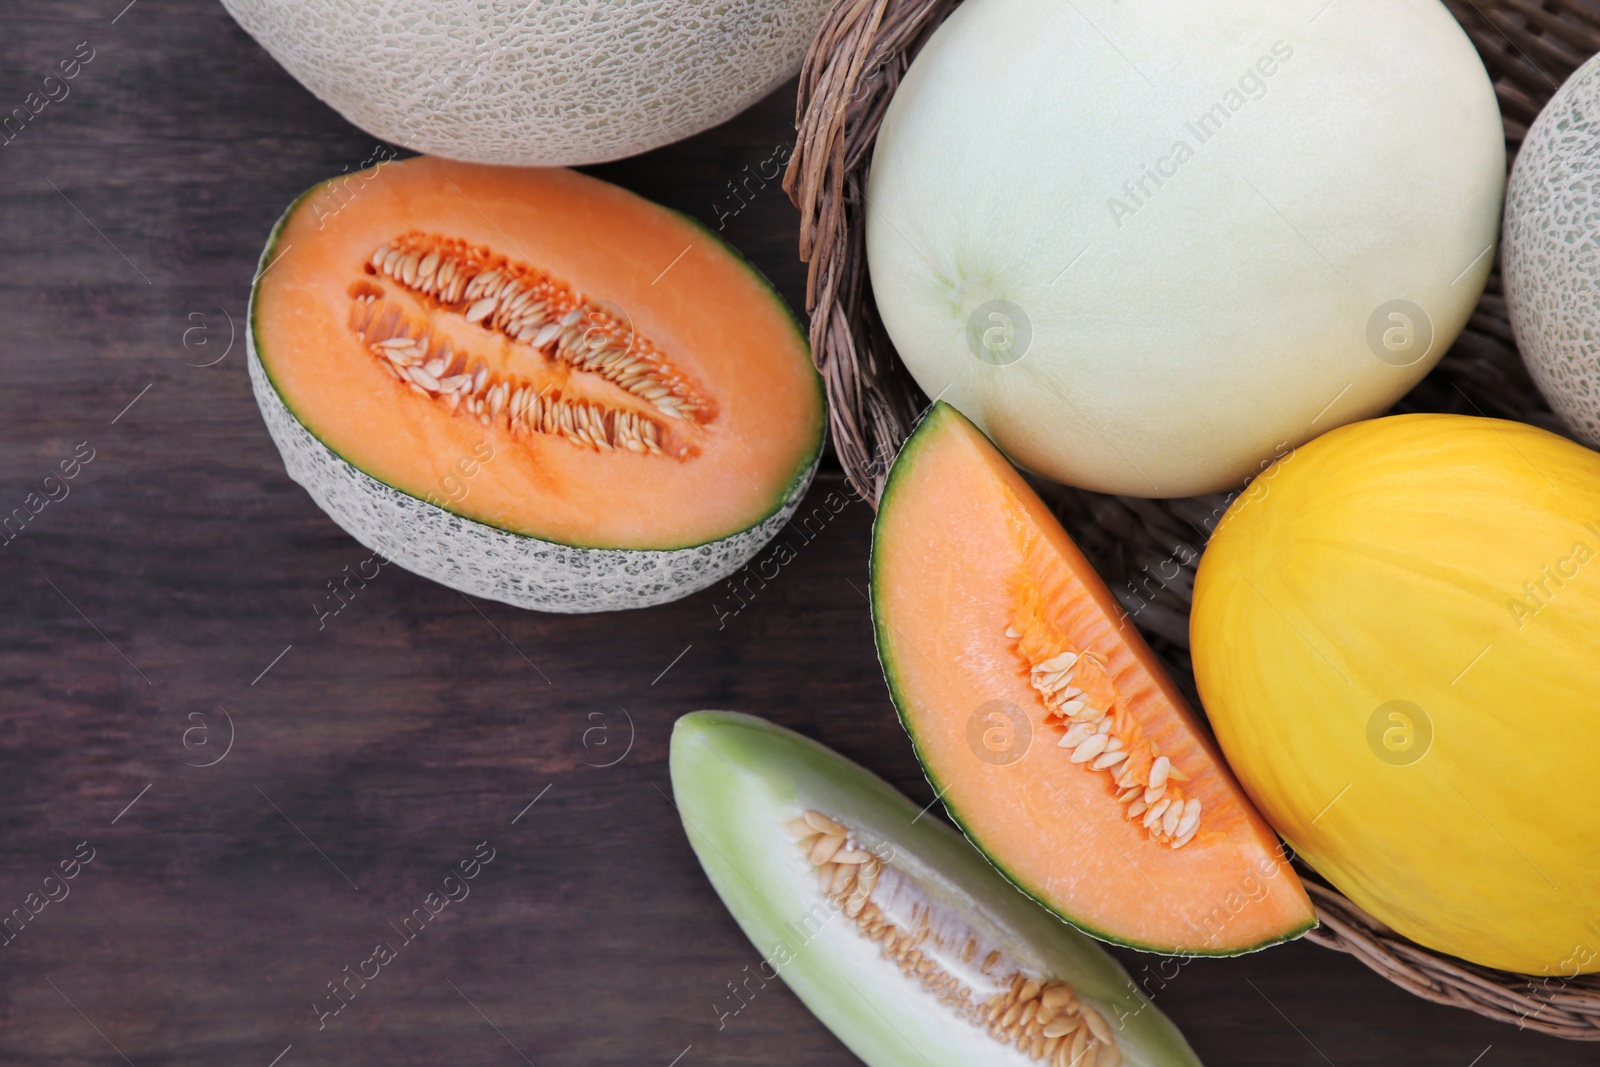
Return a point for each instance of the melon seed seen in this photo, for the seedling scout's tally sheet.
(1058, 996)
(825, 848)
(825, 877)
(1153, 816)
(1090, 748)
(1109, 759)
(1158, 772)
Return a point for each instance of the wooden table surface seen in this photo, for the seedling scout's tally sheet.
(165, 606)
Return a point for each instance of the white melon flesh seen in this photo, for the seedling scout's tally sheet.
(1193, 219)
(535, 84)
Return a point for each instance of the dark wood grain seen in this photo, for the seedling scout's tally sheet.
(380, 749)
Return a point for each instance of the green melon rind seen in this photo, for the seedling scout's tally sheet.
(924, 429)
(486, 560)
(737, 778)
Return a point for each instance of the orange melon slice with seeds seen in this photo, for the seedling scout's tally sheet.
(530, 384)
(1047, 726)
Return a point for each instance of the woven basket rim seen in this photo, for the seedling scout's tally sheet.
(856, 61)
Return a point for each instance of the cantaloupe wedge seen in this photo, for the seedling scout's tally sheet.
(530, 384)
(1046, 724)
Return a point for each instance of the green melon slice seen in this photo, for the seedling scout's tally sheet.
(896, 934)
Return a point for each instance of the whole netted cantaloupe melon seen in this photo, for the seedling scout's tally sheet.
(1551, 260)
(534, 84)
(1396, 635)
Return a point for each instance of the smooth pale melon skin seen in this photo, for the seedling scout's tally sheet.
(1225, 319)
(1386, 561)
(534, 84)
(1551, 258)
(737, 779)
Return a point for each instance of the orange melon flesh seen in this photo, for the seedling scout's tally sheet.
(727, 335)
(963, 552)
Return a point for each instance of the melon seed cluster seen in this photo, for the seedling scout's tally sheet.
(432, 369)
(527, 306)
(1044, 1020)
(1102, 733)
(1049, 1023)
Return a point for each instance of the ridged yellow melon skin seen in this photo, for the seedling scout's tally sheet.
(1452, 563)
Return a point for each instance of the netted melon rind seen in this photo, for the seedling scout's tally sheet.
(556, 84)
(495, 564)
(1551, 255)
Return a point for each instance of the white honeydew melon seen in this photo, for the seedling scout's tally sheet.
(1164, 341)
(1551, 259)
(548, 83)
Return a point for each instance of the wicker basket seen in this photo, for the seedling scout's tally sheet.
(855, 64)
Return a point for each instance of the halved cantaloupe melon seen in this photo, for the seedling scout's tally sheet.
(1046, 724)
(530, 384)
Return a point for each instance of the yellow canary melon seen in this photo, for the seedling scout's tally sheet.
(1396, 635)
